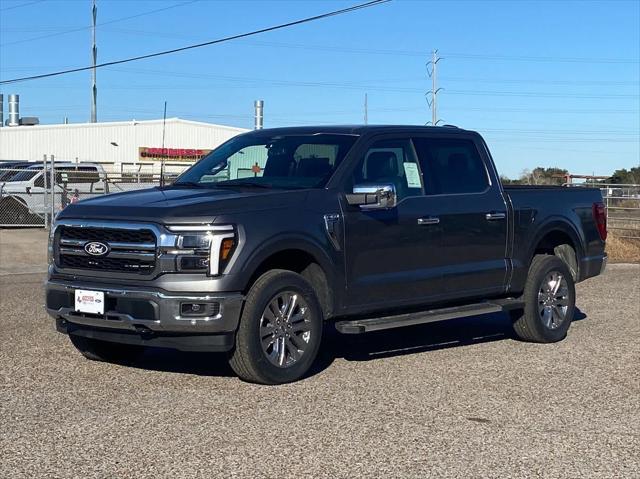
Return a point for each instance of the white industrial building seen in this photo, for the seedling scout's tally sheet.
(119, 146)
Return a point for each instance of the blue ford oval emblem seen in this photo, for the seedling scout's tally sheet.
(96, 248)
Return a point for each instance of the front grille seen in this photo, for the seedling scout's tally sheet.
(130, 250)
(106, 264)
(107, 235)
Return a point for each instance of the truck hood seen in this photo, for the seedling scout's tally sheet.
(15, 186)
(177, 205)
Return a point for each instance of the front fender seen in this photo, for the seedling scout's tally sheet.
(283, 242)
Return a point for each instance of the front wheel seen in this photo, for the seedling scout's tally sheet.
(549, 297)
(280, 330)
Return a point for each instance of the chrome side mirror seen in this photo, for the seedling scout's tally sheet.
(373, 196)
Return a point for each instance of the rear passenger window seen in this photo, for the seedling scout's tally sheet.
(451, 166)
(80, 174)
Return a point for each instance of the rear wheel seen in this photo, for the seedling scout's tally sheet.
(97, 350)
(280, 330)
(549, 297)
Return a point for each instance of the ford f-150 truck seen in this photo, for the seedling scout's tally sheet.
(368, 227)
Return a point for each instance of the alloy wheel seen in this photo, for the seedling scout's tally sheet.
(285, 329)
(553, 300)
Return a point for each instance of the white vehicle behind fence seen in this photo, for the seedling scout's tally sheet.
(25, 198)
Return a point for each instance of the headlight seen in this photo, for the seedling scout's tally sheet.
(203, 247)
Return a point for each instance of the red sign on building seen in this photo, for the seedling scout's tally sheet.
(170, 154)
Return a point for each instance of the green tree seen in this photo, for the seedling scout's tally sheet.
(543, 176)
(624, 176)
(508, 181)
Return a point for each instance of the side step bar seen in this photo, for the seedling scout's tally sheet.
(359, 326)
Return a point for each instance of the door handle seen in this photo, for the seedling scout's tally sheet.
(495, 216)
(428, 221)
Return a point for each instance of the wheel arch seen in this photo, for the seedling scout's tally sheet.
(301, 256)
(551, 239)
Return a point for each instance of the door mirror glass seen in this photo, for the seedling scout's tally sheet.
(373, 197)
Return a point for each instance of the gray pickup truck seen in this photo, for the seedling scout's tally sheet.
(276, 232)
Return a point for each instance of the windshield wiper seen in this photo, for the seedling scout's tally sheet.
(189, 184)
(245, 183)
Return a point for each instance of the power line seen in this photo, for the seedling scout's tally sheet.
(416, 53)
(116, 20)
(468, 56)
(199, 45)
(155, 73)
(20, 6)
(271, 83)
(544, 82)
(452, 55)
(118, 109)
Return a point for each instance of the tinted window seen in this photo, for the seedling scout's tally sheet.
(77, 174)
(451, 166)
(283, 161)
(39, 182)
(26, 175)
(390, 161)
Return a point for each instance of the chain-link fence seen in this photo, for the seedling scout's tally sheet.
(33, 193)
(22, 196)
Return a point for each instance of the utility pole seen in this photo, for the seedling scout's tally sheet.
(94, 54)
(164, 122)
(433, 73)
(366, 110)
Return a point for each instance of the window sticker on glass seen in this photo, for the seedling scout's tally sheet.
(412, 174)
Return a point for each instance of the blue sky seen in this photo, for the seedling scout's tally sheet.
(548, 83)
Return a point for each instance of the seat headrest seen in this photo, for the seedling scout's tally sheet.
(313, 167)
(381, 164)
(278, 165)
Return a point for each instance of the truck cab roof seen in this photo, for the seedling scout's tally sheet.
(356, 129)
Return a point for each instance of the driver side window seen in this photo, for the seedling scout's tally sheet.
(390, 162)
(39, 181)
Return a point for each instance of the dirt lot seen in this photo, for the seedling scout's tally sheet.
(454, 399)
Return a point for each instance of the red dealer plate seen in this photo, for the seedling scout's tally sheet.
(89, 301)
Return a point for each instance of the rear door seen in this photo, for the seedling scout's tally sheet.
(472, 214)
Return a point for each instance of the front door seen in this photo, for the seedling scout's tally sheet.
(389, 253)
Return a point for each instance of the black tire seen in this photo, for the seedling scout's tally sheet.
(529, 324)
(97, 350)
(14, 212)
(248, 359)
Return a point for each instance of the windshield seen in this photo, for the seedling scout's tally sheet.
(7, 173)
(23, 175)
(282, 161)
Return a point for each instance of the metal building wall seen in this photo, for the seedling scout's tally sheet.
(92, 142)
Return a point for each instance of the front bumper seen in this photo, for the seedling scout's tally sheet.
(183, 342)
(144, 312)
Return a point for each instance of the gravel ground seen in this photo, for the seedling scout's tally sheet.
(455, 399)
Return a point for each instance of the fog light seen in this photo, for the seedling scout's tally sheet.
(194, 263)
(194, 310)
